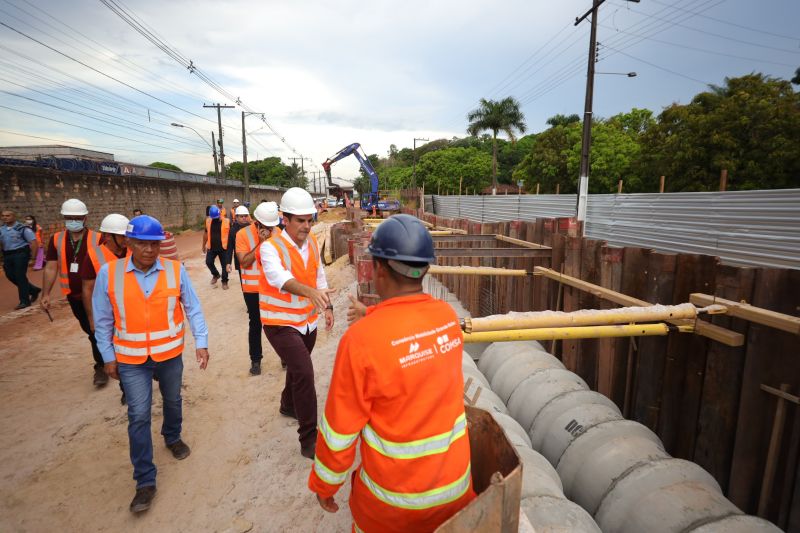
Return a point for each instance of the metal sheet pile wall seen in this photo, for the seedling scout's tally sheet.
(743, 228)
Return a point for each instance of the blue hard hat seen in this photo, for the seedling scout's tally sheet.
(145, 228)
(402, 238)
(213, 211)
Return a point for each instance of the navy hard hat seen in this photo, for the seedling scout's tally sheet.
(145, 228)
(402, 238)
(213, 211)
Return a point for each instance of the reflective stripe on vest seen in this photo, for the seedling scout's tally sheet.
(336, 441)
(250, 276)
(100, 255)
(63, 269)
(419, 500)
(277, 307)
(327, 475)
(417, 448)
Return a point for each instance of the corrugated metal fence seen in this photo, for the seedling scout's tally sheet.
(749, 228)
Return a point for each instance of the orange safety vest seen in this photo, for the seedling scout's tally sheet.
(246, 241)
(226, 228)
(39, 234)
(100, 255)
(146, 327)
(397, 384)
(92, 238)
(281, 308)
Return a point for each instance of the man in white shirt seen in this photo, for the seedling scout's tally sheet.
(289, 304)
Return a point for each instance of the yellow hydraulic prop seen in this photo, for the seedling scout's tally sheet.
(477, 271)
(584, 332)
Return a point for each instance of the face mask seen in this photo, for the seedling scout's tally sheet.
(29, 222)
(74, 225)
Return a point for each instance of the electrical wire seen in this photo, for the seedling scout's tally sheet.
(71, 142)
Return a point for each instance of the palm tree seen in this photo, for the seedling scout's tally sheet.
(505, 116)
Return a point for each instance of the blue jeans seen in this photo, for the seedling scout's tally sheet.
(138, 383)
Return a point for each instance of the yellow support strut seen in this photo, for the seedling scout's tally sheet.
(586, 332)
(477, 271)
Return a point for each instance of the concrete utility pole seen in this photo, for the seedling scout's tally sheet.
(302, 159)
(583, 184)
(244, 155)
(414, 157)
(221, 149)
(214, 150)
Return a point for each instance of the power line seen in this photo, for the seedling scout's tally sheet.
(122, 148)
(665, 69)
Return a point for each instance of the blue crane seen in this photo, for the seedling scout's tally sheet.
(372, 199)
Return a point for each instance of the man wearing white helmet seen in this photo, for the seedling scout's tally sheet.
(65, 253)
(248, 241)
(290, 303)
(111, 247)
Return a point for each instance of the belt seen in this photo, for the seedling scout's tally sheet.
(17, 250)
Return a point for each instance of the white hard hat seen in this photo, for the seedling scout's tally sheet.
(73, 208)
(241, 210)
(267, 213)
(114, 223)
(236, 200)
(297, 201)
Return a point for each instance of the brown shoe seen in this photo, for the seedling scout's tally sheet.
(143, 498)
(100, 377)
(225, 285)
(214, 280)
(179, 449)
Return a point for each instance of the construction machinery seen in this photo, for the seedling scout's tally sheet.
(372, 200)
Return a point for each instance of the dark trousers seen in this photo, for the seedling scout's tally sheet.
(15, 263)
(299, 394)
(211, 256)
(76, 304)
(254, 326)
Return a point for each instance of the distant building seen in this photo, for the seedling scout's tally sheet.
(53, 150)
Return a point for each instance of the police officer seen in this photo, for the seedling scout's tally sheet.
(19, 245)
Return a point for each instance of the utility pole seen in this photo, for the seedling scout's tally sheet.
(414, 154)
(302, 159)
(583, 184)
(214, 150)
(221, 149)
(244, 156)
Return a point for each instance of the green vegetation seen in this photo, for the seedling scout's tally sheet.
(269, 171)
(504, 116)
(749, 126)
(165, 166)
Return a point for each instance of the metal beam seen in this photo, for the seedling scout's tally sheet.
(492, 252)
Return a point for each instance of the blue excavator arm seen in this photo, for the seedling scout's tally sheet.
(373, 198)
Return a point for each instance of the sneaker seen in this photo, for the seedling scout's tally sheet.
(289, 413)
(143, 498)
(22, 305)
(100, 377)
(214, 280)
(225, 285)
(255, 368)
(179, 449)
(35, 294)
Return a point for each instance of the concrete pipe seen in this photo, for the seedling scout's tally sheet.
(488, 400)
(497, 352)
(604, 453)
(467, 359)
(564, 402)
(475, 374)
(737, 524)
(661, 493)
(538, 476)
(537, 390)
(548, 514)
(564, 427)
(513, 430)
(512, 371)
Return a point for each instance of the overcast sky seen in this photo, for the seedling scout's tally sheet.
(327, 74)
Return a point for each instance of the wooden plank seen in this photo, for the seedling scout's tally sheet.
(778, 425)
(740, 309)
(572, 268)
(607, 354)
(771, 358)
(634, 279)
(589, 271)
(686, 362)
(652, 352)
(520, 242)
(719, 405)
(539, 286)
(706, 329)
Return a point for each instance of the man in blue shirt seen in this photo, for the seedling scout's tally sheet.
(19, 245)
(139, 327)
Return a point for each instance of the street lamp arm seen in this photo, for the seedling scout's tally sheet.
(194, 130)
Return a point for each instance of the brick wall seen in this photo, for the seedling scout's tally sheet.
(177, 204)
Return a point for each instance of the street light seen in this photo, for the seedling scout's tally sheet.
(213, 150)
(629, 74)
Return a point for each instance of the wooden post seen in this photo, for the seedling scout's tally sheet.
(661, 186)
(537, 187)
(558, 186)
(439, 189)
(723, 180)
(772, 455)
(619, 187)
(461, 179)
(608, 362)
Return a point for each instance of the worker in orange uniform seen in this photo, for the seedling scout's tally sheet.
(397, 383)
(65, 253)
(248, 241)
(139, 304)
(215, 245)
(289, 306)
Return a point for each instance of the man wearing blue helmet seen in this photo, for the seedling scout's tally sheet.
(215, 244)
(139, 305)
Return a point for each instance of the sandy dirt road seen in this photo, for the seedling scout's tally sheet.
(64, 449)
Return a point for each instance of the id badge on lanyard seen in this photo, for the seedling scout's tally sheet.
(73, 268)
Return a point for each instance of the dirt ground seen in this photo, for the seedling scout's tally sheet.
(64, 462)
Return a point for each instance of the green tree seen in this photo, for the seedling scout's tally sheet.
(444, 169)
(563, 120)
(796, 79)
(166, 166)
(495, 116)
